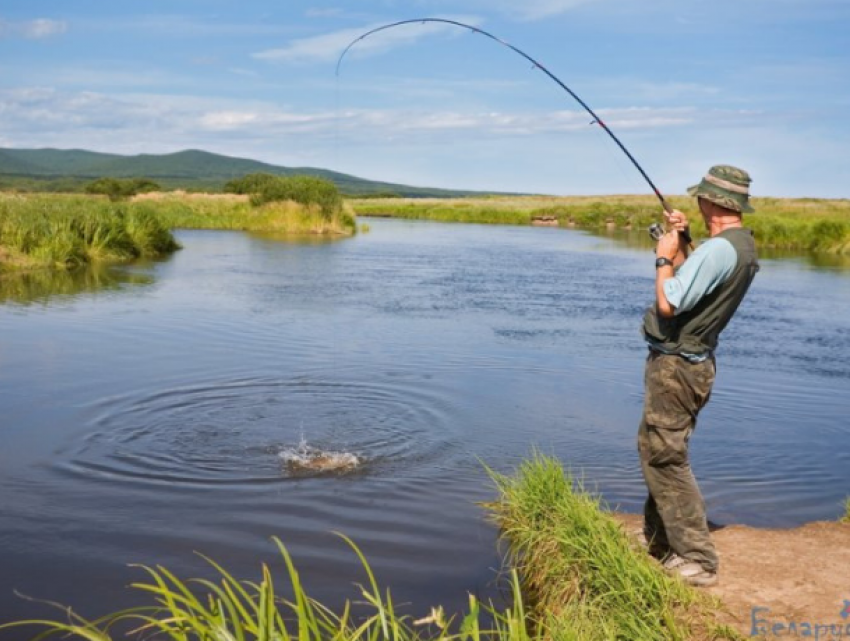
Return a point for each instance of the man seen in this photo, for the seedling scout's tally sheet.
(695, 297)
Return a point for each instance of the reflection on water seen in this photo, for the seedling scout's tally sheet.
(46, 285)
(297, 239)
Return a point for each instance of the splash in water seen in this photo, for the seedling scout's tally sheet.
(305, 460)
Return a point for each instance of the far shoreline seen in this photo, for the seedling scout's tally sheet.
(796, 224)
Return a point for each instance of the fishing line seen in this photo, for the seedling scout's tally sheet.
(596, 120)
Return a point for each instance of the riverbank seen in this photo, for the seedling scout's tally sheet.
(180, 210)
(801, 224)
(67, 231)
(780, 577)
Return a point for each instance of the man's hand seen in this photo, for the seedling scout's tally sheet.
(668, 246)
(677, 220)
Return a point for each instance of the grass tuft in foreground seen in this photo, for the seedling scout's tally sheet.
(232, 610)
(846, 517)
(582, 576)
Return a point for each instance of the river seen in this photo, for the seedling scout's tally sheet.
(146, 407)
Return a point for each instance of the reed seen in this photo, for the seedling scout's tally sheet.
(846, 517)
(802, 224)
(69, 231)
(582, 576)
(233, 610)
(179, 210)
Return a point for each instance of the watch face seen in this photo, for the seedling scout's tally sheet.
(660, 262)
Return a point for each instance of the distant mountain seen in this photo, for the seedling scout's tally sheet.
(190, 169)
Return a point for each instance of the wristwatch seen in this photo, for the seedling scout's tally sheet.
(660, 262)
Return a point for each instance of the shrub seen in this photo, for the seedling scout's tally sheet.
(306, 190)
(250, 184)
(121, 188)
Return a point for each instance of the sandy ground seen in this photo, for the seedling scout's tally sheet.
(800, 575)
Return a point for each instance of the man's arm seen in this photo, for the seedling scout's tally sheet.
(669, 247)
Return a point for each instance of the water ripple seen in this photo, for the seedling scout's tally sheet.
(239, 432)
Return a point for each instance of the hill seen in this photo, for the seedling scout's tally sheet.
(192, 169)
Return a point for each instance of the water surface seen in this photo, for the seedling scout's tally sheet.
(145, 408)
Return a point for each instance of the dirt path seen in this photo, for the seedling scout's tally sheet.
(801, 575)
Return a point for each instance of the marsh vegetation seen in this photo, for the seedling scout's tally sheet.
(803, 224)
(68, 231)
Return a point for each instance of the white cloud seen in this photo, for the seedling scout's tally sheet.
(324, 13)
(43, 28)
(538, 9)
(328, 47)
(29, 111)
(33, 29)
(525, 10)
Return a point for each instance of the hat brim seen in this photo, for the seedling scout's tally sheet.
(694, 191)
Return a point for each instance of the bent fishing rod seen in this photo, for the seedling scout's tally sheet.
(536, 65)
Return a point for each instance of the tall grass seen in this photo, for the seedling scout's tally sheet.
(798, 224)
(846, 517)
(233, 610)
(582, 576)
(68, 231)
(576, 576)
(236, 212)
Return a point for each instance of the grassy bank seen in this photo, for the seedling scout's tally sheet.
(576, 577)
(69, 231)
(62, 230)
(801, 224)
(179, 210)
(582, 576)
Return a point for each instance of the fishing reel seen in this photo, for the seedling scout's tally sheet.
(656, 231)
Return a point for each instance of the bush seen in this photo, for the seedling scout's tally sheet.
(305, 190)
(250, 184)
(121, 188)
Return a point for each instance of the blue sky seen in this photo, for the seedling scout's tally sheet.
(763, 84)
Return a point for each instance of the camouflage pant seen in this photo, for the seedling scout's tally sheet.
(674, 514)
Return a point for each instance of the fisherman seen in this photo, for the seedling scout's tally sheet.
(695, 297)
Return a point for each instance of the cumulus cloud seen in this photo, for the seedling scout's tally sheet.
(327, 47)
(46, 111)
(33, 29)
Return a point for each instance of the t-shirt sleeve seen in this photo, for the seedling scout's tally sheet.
(709, 266)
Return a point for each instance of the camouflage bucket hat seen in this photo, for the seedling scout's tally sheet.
(726, 186)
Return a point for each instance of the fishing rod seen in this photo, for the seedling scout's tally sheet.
(536, 65)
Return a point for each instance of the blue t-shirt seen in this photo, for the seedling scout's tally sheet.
(704, 270)
(709, 266)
